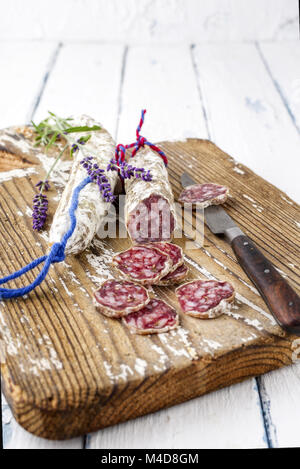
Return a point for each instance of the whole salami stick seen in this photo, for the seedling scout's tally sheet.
(149, 208)
(91, 207)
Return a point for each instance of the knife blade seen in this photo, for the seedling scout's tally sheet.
(281, 299)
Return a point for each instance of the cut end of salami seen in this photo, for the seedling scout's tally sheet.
(204, 194)
(151, 221)
(142, 264)
(156, 317)
(174, 277)
(117, 298)
(205, 299)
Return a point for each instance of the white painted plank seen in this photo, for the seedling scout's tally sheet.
(23, 68)
(212, 421)
(246, 115)
(281, 390)
(144, 21)
(162, 79)
(85, 80)
(283, 62)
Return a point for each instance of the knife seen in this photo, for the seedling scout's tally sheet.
(281, 299)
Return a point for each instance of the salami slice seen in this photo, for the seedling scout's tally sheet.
(157, 316)
(204, 194)
(142, 264)
(117, 298)
(91, 207)
(149, 208)
(176, 276)
(205, 299)
(172, 250)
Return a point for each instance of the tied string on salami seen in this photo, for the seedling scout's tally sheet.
(95, 175)
(56, 254)
(126, 170)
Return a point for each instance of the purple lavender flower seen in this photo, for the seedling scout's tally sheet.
(127, 171)
(81, 141)
(74, 148)
(98, 176)
(39, 214)
(45, 184)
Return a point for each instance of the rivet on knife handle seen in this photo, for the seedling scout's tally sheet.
(282, 300)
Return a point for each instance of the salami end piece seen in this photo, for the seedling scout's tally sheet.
(174, 277)
(156, 317)
(117, 298)
(150, 214)
(204, 194)
(205, 299)
(142, 264)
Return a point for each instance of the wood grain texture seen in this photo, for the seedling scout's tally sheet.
(69, 370)
(175, 110)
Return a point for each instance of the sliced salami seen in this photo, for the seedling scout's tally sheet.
(205, 299)
(149, 209)
(142, 264)
(172, 250)
(174, 277)
(117, 298)
(157, 316)
(204, 194)
(92, 209)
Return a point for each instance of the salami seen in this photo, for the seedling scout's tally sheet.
(142, 264)
(204, 194)
(157, 316)
(205, 299)
(91, 207)
(176, 276)
(172, 250)
(117, 298)
(149, 208)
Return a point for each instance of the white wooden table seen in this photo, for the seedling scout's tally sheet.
(243, 96)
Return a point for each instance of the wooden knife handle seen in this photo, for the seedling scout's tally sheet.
(282, 300)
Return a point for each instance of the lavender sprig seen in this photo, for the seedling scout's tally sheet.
(40, 206)
(98, 176)
(128, 171)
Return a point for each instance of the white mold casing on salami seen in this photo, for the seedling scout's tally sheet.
(138, 192)
(91, 207)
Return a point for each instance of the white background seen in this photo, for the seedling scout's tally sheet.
(227, 70)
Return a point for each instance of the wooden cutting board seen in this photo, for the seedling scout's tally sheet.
(67, 369)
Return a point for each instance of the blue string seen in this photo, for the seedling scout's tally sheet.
(56, 254)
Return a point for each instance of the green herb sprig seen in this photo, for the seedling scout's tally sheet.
(51, 132)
